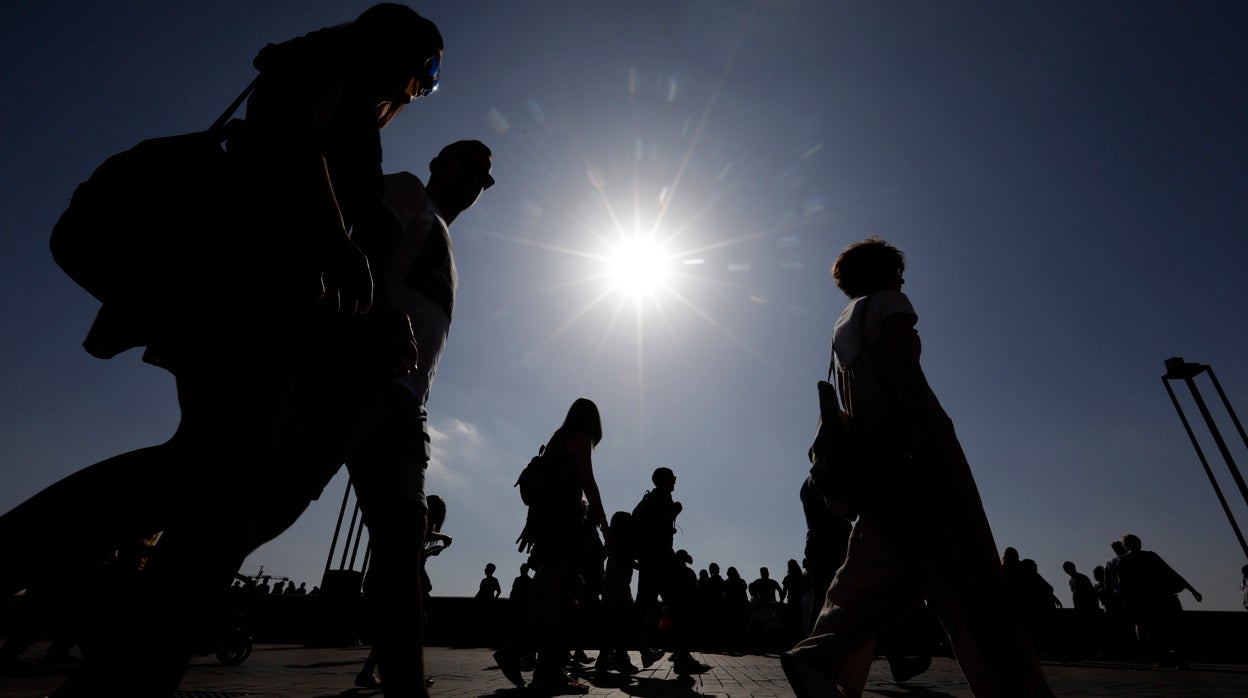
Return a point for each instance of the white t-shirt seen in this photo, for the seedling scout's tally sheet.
(847, 335)
(429, 301)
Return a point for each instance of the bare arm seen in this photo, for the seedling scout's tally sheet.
(292, 106)
(581, 450)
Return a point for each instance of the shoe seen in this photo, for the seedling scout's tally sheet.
(623, 665)
(906, 668)
(509, 664)
(650, 656)
(684, 664)
(806, 681)
(615, 661)
(579, 657)
(367, 679)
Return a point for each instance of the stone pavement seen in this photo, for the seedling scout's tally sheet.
(285, 671)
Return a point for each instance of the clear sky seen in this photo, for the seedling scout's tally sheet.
(1068, 180)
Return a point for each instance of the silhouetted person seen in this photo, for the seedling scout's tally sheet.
(1039, 605)
(791, 594)
(619, 621)
(518, 596)
(391, 451)
(660, 573)
(241, 338)
(1150, 589)
(553, 536)
(1111, 576)
(764, 591)
(489, 589)
(1120, 640)
(921, 531)
(1087, 625)
(711, 600)
(587, 607)
(736, 609)
(764, 602)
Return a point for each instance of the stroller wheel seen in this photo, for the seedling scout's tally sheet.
(235, 648)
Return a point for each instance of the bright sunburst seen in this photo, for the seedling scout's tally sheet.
(637, 267)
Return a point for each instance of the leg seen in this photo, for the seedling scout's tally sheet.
(388, 472)
(554, 589)
(85, 516)
(940, 513)
(874, 586)
(236, 407)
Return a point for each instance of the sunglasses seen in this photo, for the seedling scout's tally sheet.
(427, 83)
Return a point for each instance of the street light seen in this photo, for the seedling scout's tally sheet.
(1178, 369)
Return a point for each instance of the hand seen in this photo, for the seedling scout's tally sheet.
(345, 278)
(524, 542)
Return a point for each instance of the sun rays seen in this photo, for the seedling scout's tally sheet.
(645, 259)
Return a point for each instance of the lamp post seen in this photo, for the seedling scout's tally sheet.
(1178, 369)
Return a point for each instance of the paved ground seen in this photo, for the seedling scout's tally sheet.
(283, 671)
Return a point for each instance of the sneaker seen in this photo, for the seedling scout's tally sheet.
(509, 664)
(650, 656)
(686, 664)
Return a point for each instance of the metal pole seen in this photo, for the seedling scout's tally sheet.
(346, 544)
(337, 527)
(1217, 437)
(358, 535)
(1208, 471)
(1230, 410)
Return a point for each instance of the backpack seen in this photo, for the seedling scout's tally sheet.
(532, 479)
(144, 218)
(649, 529)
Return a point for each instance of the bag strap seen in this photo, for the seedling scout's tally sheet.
(229, 112)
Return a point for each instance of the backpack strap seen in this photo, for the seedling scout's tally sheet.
(229, 112)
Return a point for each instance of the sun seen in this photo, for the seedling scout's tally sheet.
(637, 267)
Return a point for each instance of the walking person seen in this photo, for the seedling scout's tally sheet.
(385, 438)
(245, 338)
(1150, 593)
(553, 537)
(921, 532)
(660, 572)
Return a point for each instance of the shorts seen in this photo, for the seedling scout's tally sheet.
(388, 467)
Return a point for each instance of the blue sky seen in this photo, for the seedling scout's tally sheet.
(1067, 179)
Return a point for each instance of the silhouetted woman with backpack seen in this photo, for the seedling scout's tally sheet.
(553, 535)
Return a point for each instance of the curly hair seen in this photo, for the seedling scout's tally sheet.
(867, 266)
